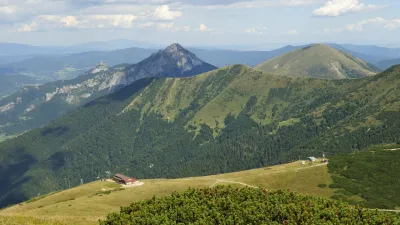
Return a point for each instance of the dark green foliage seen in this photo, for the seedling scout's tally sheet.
(373, 175)
(229, 205)
(322, 185)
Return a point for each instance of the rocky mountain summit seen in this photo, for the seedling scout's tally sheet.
(34, 106)
(174, 61)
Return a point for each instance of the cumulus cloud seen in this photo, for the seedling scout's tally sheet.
(204, 28)
(340, 7)
(164, 13)
(7, 10)
(28, 27)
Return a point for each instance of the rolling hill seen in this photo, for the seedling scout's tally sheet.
(35, 106)
(226, 120)
(320, 61)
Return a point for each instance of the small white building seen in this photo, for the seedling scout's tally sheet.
(312, 159)
(303, 162)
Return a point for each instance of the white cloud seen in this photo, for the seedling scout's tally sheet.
(360, 25)
(8, 10)
(256, 30)
(167, 26)
(204, 28)
(292, 32)
(340, 7)
(393, 24)
(164, 13)
(263, 4)
(28, 27)
(187, 28)
(333, 30)
(250, 30)
(45, 22)
(146, 25)
(121, 21)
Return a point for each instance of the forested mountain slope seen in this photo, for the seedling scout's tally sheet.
(34, 106)
(373, 174)
(230, 119)
(320, 61)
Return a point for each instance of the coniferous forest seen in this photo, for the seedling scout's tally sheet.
(373, 174)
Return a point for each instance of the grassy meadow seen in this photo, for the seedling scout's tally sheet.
(90, 202)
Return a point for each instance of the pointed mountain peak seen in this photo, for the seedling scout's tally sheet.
(174, 48)
(174, 61)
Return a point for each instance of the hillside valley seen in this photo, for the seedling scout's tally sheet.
(231, 119)
(34, 106)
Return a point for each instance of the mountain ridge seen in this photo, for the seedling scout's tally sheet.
(225, 120)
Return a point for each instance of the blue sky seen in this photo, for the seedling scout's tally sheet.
(201, 22)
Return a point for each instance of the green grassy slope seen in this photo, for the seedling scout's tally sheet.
(231, 119)
(321, 61)
(87, 203)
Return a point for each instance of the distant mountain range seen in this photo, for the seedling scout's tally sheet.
(69, 66)
(34, 106)
(58, 63)
(320, 61)
(388, 63)
(229, 119)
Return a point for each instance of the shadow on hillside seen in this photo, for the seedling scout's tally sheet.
(57, 160)
(11, 179)
(123, 93)
(56, 131)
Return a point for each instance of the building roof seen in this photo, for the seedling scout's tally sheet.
(123, 177)
(312, 158)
